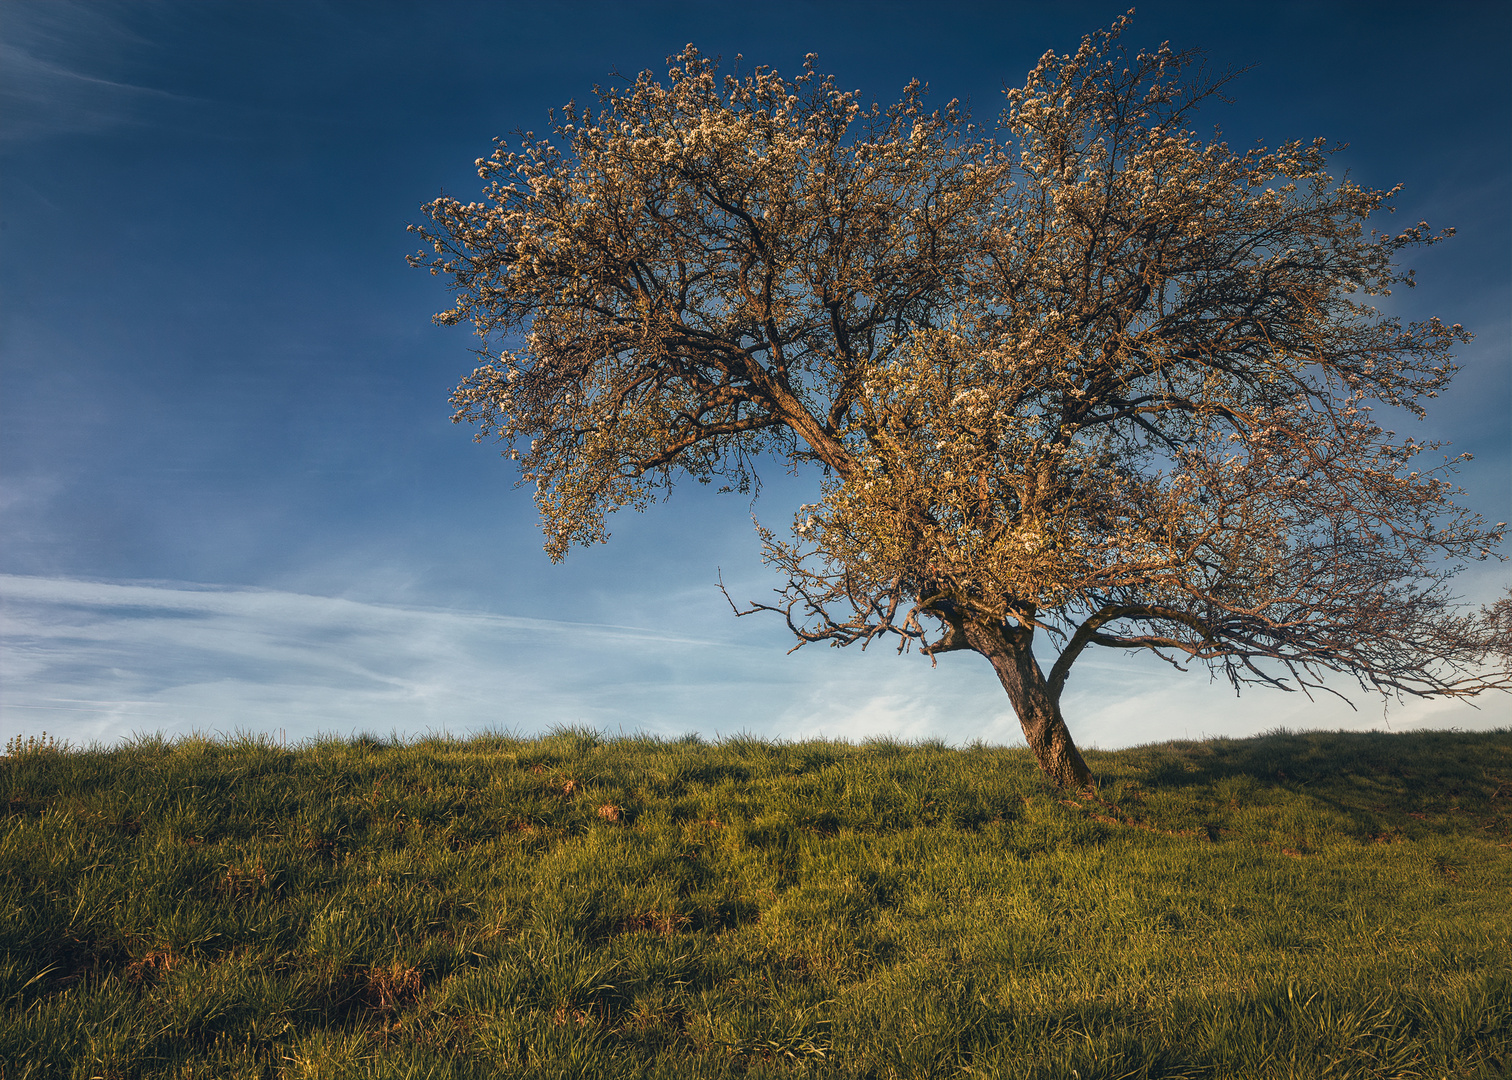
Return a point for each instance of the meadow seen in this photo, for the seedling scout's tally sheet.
(1293, 905)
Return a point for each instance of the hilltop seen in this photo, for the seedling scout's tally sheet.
(1298, 905)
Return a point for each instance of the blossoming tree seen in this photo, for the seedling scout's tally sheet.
(1082, 380)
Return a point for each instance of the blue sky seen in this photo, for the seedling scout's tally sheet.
(230, 495)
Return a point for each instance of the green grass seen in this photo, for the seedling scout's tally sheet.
(1319, 905)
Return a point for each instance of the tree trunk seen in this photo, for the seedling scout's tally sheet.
(1012, 657)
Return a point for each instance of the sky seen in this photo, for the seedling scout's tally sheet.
(231, 499)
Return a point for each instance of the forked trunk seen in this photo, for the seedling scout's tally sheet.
(1012, 657)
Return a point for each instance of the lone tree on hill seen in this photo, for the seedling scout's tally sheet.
(1087, 380)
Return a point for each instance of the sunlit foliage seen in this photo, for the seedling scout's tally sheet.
(1087, 377)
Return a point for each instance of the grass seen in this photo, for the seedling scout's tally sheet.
(1318, 905)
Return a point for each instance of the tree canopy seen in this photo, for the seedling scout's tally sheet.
(1082, 377)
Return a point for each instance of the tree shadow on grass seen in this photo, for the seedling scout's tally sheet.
(1438, 781)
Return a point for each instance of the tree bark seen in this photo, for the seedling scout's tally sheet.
(1012, 657)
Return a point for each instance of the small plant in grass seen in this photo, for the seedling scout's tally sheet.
(30, 746)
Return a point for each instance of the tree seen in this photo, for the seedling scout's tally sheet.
(1083, 380)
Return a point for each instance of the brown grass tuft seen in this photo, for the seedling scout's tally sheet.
(658, 922)
(244, 882)
(390, 987)
(147, 969)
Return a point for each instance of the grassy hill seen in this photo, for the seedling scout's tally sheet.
(1313, 905)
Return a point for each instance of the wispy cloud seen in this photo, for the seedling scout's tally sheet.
(93, 660)
(50, 82)
(103, 659)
